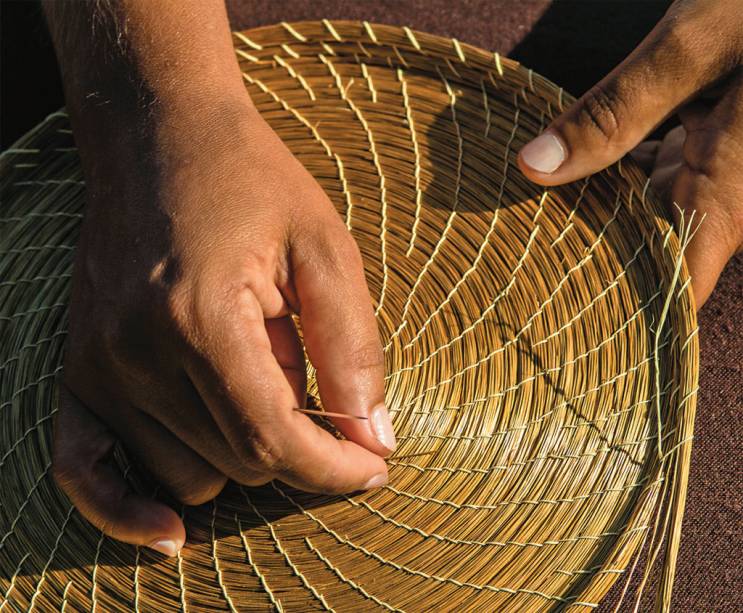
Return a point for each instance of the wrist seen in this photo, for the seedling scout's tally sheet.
(131, 69)
(126, 103)
(140, 172)
(114, 136)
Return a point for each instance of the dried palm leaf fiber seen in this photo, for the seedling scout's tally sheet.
(541, 355)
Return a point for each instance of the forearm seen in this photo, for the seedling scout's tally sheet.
(163, 52)
(139, 74)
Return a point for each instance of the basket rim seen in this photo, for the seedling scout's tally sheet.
(452, 50)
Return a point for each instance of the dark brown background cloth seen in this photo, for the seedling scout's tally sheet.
(573, 43)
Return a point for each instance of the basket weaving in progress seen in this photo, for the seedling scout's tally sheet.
(540, 345)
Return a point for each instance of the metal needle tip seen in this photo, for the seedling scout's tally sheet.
(329, 414)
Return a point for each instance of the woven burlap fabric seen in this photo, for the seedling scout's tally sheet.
(530, 336)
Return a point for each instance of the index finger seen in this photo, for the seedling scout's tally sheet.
(252, 400)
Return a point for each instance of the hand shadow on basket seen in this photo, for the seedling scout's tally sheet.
(491, 212)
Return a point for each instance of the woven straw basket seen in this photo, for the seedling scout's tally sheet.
(541, 353)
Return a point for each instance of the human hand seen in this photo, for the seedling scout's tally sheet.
(690, 64)
(200, 239)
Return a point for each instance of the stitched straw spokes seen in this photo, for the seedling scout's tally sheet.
(532, 338)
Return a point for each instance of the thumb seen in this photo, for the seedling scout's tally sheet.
(81, 446)
(614, 116)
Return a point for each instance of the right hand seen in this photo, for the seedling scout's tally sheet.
(203, 234)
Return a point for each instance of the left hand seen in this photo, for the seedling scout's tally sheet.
(690, 64)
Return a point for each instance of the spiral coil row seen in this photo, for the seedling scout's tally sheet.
(540, 349)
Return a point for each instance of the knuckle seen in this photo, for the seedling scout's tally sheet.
(72, 467)
(600, 111)
(330, 482)
(241, 297)
(265, 457)
(262, 455)
(337, 248)
(695, 188)
(218, 295)
(195, 490)
(708, 150)
(368, 356)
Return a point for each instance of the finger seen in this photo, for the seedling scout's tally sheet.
(341, 335)
(674, 62)
(671, 148)
(252, 400)
(662, 181)
(706, 183)
(333, 466)
(183, 472)
(81, 447)
(712, 245)
(286, 347)
(178, 408)
(668, 162)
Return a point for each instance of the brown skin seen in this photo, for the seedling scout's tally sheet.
(690, 64)
(202, 235)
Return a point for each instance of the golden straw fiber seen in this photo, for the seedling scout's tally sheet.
(540, 347)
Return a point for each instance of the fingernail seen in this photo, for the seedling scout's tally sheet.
(382, 426)
(167, 547)
(375, 481)
(545, 153)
